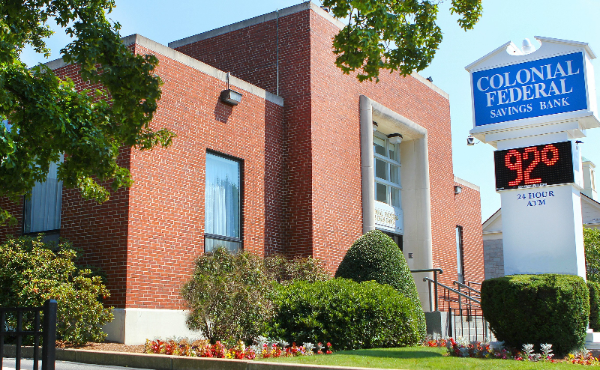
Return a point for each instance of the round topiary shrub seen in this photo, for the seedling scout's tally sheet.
(375, 256)
(348, 314)
(594, 289)
(536, 309)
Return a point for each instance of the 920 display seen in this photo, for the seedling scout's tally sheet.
(534, 166)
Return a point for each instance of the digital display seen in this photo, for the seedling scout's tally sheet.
(534, 166)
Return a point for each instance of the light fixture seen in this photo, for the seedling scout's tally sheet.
(470, 140)
(229, 96)
(528, 47)
(375, 126)
(457, 189)
(430, 79)
(395, 138)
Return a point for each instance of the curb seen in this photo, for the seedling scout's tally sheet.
(164, 362)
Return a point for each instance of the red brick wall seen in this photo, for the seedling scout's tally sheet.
(328, 210)
(166, 211)
(468, 215)
(250, 54)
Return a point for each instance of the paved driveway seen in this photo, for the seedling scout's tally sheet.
(27, 364)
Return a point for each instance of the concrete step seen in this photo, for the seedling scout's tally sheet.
(592, 340)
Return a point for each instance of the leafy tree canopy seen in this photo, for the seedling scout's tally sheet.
(45, 116)
(591, 240)
(399, 35)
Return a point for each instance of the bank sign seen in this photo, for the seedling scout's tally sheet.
(530, 89)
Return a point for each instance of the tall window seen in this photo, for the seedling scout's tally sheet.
(387, 171)
(460, 255)
(222, 204)
(42, 210)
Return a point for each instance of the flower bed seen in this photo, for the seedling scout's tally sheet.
(262, 349)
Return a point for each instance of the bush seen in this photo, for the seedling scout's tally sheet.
(536, 309)
(375, 256)
(228, 296)
(348, 314)
(32, 273)
(591, 240)
(594, 289)
(285, 271)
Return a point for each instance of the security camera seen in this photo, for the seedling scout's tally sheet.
(470, 140)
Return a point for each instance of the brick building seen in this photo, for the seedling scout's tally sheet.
(308, 161)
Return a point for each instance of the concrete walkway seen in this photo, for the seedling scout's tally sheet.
(27, 364)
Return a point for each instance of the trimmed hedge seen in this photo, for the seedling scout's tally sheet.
(594, 289)
(546, 308)
(375, 256)
(348, 314)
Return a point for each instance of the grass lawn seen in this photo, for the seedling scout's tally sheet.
(414, 358)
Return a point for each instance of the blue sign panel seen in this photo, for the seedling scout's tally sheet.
(531, 89)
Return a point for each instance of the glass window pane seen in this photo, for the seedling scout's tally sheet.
(381, 169)
(396, 202)
(379, 146)
(211, 244)
(42, 209)
(393, 152)
(222, 198)
(381, 193)
(395, 174)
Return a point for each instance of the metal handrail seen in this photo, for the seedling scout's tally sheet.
(468, 287)
(435, 273)
(453, 290)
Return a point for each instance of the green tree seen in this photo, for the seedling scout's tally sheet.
(399, 35)
(591, 240)
(33, 272)
(45, 116)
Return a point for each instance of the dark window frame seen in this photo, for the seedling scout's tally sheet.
(242, 194)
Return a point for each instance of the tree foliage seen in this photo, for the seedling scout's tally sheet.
(399, 35)
(33, 272)
(591, 240)
(46, 116)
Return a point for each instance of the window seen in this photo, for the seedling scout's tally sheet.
(222, 204)
(387, 171)
(460, 255)
(41, 211)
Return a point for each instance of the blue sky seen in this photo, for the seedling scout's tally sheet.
(502, 21)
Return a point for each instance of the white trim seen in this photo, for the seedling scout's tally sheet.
(458, 180)
(190, 62)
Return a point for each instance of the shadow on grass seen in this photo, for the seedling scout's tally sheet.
(407, 354)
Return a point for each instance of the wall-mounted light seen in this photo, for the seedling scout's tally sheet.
(457, 189)
(229, 96)
(375, 126)
(395, 138)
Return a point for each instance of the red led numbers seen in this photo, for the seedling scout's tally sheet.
(534, 166)
(516, 165)
(532, 154)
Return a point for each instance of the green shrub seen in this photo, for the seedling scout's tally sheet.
(375, 256)
(285, 270)
(348, 314)
(32, 272)
(594, 289)
(591, 240)
(228, 296)
(547, 308)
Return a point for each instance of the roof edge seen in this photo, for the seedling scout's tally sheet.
(307, 5)
(190, 62)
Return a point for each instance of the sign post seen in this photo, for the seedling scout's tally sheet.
(532, 108)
